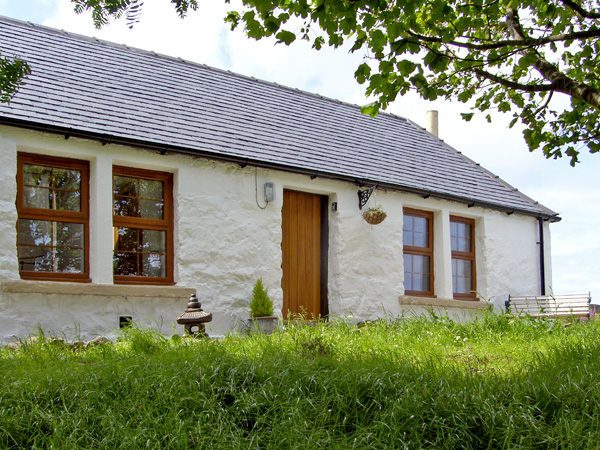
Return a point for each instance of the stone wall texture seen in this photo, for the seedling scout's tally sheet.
(224, 242)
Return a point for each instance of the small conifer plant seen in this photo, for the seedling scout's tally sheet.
(260, 305)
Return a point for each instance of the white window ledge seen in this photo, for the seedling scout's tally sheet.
(103, 290)
(412, 300)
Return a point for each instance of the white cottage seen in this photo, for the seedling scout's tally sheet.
(131, 180)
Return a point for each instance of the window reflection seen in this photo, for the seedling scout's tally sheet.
(138, 197)
(142, 220)
(140, 252)
(51, 188)
(50, 246)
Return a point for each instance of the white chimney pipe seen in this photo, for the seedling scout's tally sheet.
(432, 122)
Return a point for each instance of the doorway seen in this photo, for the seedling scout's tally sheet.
(305, 242)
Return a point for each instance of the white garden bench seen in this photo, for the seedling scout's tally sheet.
(551, 306)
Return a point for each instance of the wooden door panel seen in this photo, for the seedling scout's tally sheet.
(301, 247)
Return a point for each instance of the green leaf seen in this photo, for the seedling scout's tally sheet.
(465, 95)
(406, 67)
(372, 109)
(528, 60)
(286, 37)
(467, 116)
(318, 43)
(386, 31)
(362, 73)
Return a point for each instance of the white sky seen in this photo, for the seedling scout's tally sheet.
(203, 37)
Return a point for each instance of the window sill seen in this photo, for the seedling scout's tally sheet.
(103, 290)
(412, 300)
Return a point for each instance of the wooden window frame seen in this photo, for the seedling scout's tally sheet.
(423, 251)
(82, 217)
(468, 256)
(165, 224)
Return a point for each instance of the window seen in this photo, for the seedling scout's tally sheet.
(462, 242)
(143, 226)
(52, 230)
(417, 240)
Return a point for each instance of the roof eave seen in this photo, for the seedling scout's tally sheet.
(163, 149)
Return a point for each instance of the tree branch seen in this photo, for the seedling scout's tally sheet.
(579, 10)
(559, 81)
(566, 85)
(514, 85)
(526, 42)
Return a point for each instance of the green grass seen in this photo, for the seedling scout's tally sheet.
(415, 383)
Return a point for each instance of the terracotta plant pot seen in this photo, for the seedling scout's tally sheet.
(264, 325)
(374, 217)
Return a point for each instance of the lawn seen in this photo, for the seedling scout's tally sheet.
(415, 383)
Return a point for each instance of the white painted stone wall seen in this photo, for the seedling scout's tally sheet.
(224, 242)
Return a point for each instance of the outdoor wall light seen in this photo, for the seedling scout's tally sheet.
(269, 191)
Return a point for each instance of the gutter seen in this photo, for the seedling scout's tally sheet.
(542, 257)
(243, 162)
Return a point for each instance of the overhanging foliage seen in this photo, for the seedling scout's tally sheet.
(511, 56)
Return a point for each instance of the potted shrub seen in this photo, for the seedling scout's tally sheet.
(374, 215)
(261, 318)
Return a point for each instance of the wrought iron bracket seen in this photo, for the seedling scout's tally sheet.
(364, 196)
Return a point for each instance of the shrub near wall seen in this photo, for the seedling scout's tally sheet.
(413, 383)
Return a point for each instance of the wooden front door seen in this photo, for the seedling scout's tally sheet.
(304, 247)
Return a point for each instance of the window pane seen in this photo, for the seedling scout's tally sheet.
(460, 238)
(151, 189)
(125, 206)
(126, 239)
(151, 209)
(407, 230)
(67, 200)
(47, 246)
(465, 245)
(37, 175)
(420, 282)
(35, 232)
(417, 263)
(421, 240)
(69, 260)
(38, 259)
(453, 229)
(34, 197)
(420, 224)
(462, 276)
(51, 188)
(153, 265)
(408, 266)
(138, 197)
(125, 263)
(69, 235)
(153, 241)
(416, 272)
(415, 231)
(455, 236)
(125, 186)
(454, 243)
(69, 179)
(140, 252)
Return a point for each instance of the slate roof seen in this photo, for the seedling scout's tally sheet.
(85, 87)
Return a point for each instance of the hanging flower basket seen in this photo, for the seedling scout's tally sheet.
(374, 216)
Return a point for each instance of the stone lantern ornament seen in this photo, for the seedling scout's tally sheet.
(194, 318)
